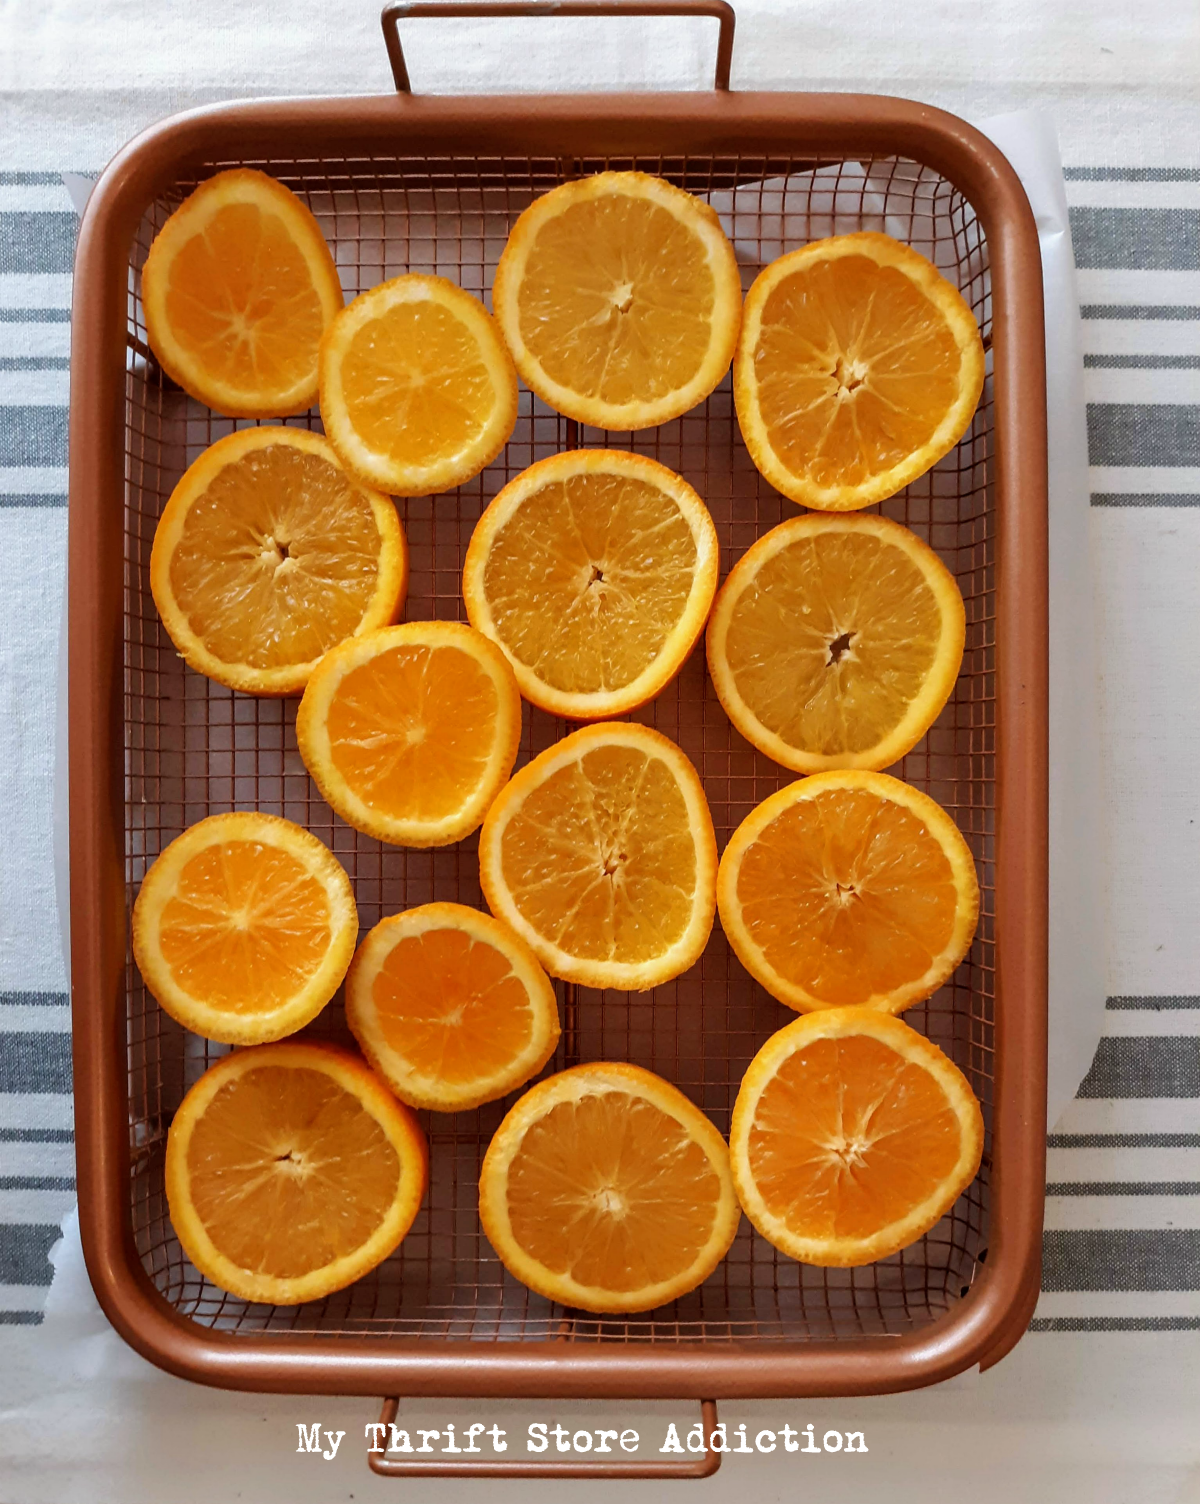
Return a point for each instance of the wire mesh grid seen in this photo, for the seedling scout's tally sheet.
(194, 748)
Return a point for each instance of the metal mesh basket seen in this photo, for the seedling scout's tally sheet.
(194, 748)
(434, 185)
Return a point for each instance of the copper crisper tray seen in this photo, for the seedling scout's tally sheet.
(400, 184)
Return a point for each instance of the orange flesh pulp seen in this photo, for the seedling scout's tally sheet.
(833, 640)
(588, 577)
(616, 300)
(415, 384)
(410, 730)
(599, 858)
(849, 1137)
(246, 928)
(240, 300)
(288, 1171)
(856, 369)
(278, 561)
(847, 895)
(451, 1006)
(612, 1191)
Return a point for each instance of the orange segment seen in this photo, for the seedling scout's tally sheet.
(418, 392)
(450, 1007)
(835, 642)
(852, 1135)
(268, 554)
(858, 367)
(849, 888)
(291, 1172)
(243, 927)
(594, 571)
(238, 289)
(619, 297)
(410, 732)
(605, 1188)
(601, 855)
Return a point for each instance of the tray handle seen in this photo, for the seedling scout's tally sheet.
(719, 10)
(700, 1465)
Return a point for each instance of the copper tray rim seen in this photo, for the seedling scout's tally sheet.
(994, 1314)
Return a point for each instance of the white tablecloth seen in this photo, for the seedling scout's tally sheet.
(1101, 1394)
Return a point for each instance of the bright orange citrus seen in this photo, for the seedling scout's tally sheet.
(291, 1171)
(605, 1188)
(244, 926)
(849, 888)
(858, 367)
(852, 1136)
(450, 1007)
(238, 289)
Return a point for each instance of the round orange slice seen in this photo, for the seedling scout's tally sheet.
(849, 888)
(244, 926)
(291, 1171)
(858, 367)
(852, 1136)
(268, 554)
(601, 855)
(410, 732)
(238, 289)
(450, 1007)
(594, 571)
(418, 391)
(620, 297)
(836, 641)
(606, 1189)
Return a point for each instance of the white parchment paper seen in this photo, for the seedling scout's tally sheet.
(1077, 948)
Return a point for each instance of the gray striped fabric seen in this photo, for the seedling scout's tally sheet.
(1122, 1249)
(1122, 1245)
(37, 1145)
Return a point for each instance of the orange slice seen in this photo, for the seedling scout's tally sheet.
(606, 1189)
(619, 297)
(410, 732)
(268, 554)
(835, 642)
(244, 926)
(858, 367)
(292, 1171)
(594, 571)
(849, 888)
(852, 1136)
(238, 288)
(418, 392)
(601, 855)
(450, 1007)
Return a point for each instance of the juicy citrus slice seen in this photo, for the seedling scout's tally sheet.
(848, 888)
(418, 392)
(594, 571)
(619, 297)
(410, 732)
(268, 554)
(601, 855)
(238, 288)
(835, 642)
(858, 367)
(291, 1171)
(851, 1136)
(450, 1007)
(244, 926)
(606, 1189)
